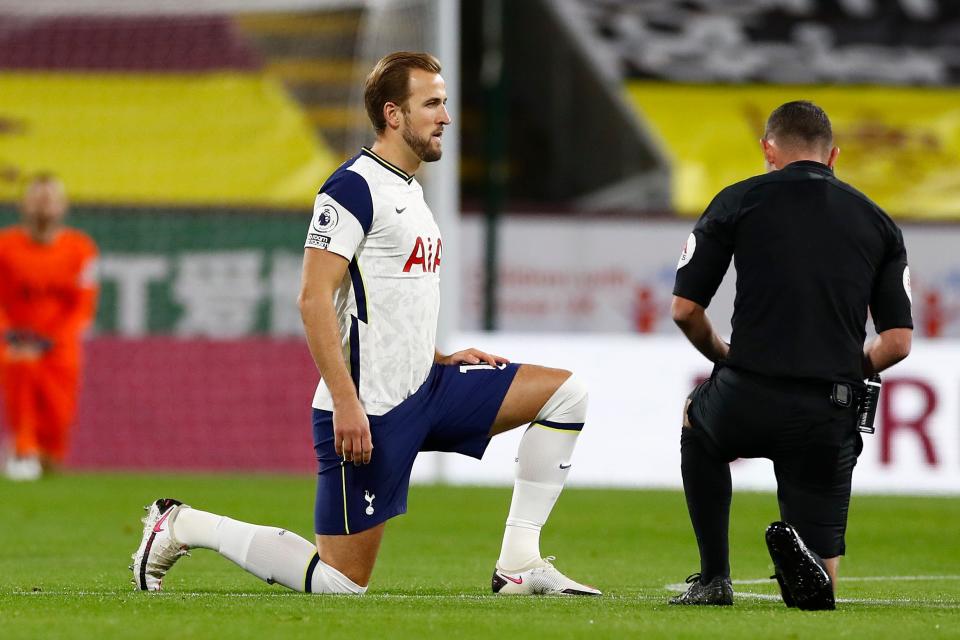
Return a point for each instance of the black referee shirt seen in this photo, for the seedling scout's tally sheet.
(812, 254)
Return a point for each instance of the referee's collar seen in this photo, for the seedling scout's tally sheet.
(810, 165)
(386, 164)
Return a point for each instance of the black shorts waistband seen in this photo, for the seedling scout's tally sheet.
(796, 385)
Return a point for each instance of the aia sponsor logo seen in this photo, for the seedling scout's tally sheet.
(425, 256)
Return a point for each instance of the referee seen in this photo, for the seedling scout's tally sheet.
(812, 254)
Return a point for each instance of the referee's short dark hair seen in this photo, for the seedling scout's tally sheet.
(800, 124)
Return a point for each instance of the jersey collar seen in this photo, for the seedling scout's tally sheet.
(810, 165)
(386, 164)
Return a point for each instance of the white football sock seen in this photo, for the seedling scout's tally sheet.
(197, 529)
(271, 554)
(543, 462)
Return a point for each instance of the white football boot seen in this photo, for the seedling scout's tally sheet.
(542, 579)
(158, 550)
(26, 469)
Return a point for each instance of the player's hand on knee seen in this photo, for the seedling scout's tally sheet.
(473, 356)
(351, 433)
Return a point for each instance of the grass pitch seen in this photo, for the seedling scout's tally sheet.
(65, 544)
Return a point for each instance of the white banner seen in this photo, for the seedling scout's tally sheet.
(580, 273)
(637, 388)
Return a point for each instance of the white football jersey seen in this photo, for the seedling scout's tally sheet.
(373, 214)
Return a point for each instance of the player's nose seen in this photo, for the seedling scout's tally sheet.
(444, 118)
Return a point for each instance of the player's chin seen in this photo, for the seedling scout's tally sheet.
(432, 154)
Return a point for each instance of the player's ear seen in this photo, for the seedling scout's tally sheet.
(392, 114)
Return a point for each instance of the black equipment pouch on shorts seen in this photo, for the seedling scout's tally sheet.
(867, 410)
(842, 394)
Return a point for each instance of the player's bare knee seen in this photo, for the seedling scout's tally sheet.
(568, 404)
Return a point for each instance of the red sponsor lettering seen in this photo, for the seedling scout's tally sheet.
(425, 255)
(917, 424)
(417, 256)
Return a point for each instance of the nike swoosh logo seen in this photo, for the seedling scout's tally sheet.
(511, 579)
(157, 528)
(565, 466)
(401, 210)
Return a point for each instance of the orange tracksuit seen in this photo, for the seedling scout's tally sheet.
(50, 291)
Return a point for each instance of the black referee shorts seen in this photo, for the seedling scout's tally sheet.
(813, 444)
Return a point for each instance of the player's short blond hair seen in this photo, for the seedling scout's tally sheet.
(390, 82)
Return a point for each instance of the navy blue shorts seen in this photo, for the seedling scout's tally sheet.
(452, 411)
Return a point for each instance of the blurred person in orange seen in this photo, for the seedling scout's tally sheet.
(48, 295)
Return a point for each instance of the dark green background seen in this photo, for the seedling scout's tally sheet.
(169, 231)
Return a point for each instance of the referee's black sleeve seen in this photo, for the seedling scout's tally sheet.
(707, 254)
(890, 299)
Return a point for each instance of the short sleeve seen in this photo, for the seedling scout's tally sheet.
(706, 255)
(342, 214)
(890, 301)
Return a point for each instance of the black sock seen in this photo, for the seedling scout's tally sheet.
(706, 484)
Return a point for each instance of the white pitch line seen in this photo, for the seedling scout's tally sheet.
(890, 601)
(682, 586)
(864, 579)
(279, 594)
(289, 594)
(678, 587)
(882, 602)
